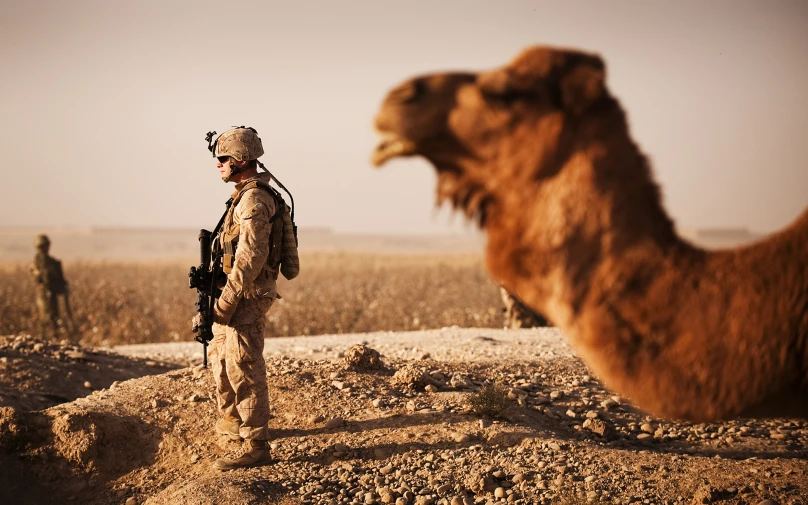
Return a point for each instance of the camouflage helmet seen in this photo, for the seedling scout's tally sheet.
(41, 241)
(240, 143)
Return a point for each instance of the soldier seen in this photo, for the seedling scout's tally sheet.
(239, 313)
(50, 283)
(519, 315)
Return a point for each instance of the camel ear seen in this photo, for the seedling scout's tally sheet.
(582, 86)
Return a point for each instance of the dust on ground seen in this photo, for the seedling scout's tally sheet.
(346, 435)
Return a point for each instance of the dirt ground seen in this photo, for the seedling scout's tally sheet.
(404, 434)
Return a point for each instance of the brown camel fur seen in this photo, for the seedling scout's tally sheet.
(539, 153)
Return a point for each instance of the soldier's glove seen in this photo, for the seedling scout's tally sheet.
(223, 311)
(196, 322)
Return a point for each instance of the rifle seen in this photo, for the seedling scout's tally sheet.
(205, 279)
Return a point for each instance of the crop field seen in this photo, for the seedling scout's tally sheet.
(127, 303)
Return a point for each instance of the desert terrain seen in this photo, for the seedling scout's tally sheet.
(462, 412)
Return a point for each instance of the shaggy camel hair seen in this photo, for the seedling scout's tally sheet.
(539, 153)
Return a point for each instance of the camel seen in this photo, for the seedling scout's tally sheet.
(539, 154)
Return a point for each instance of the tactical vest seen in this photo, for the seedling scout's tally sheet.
(283, 255)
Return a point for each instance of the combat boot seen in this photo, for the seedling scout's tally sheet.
(257, 455)
(229, 427)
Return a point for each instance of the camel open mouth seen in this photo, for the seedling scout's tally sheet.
(391, 146)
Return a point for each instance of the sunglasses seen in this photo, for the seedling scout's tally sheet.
(222, 159)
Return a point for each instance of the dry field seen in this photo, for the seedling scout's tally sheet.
(138, 302)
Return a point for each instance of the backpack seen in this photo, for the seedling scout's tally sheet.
(283, 244)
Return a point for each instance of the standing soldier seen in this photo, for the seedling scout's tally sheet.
(50, 283)
(245, 239)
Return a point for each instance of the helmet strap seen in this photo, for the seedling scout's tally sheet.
(234, 170)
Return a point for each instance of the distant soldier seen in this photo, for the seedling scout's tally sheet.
(519, 315)
(51, 283)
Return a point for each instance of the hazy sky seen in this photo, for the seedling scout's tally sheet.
(105, 104)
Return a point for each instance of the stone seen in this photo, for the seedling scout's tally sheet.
(386, 470)
(499, 493)
(88, 385)
(597, 426)
(334, 422)
(647, 428)
(431, 388)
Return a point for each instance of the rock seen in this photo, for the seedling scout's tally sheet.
(378, 402)
(459, 382)
(767, 502)
(442, 490)
(410, 376)
(88, 385)
(316, 419)
(705, 495)
(456, 500)
(338, 384)
(571, 414)
(518, 478)
(597, 426)
(431, 388)
(194, 458)
(647, 428)
(592, 414)
(608, 404)
(131, 501)
(461, 438)
(39, 347)
(499, 493)
(362, 358)
(401, 501)
(556, 395)
(386, 470)
(334, 422)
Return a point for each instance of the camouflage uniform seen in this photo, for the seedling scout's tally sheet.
(519, 315)
(50, 283)
(237, 347)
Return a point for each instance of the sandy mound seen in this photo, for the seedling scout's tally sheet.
(36, 374)
(341, 436)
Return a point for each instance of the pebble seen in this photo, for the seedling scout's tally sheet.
(647, 428)
(334, 422)
(131, 501)
(556, 395)
(378, 402)
(386, 470)
(316, 419)
(194, 458)
(431, 388)
(88, 385)
(499, 493)
(39, 346)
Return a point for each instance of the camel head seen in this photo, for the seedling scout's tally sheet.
(488, 133)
